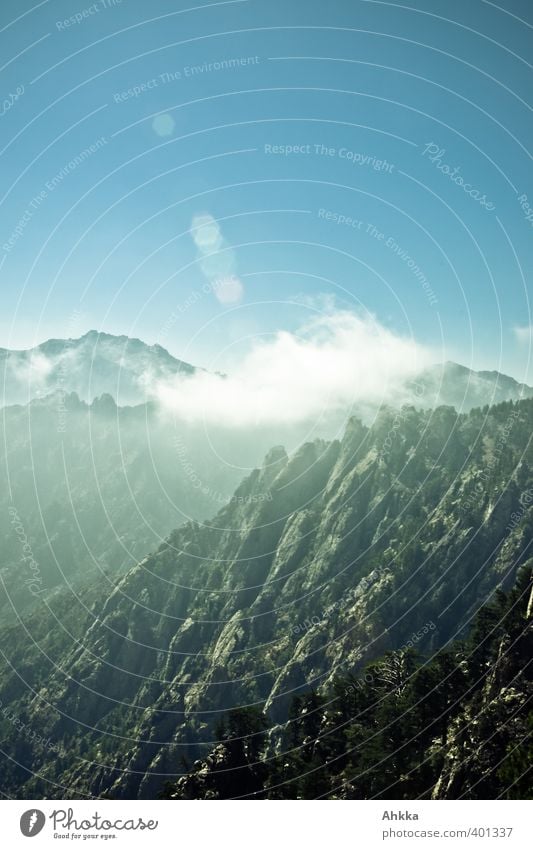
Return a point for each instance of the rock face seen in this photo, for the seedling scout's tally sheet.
(456, 725)
(319, 563)
(91, 366)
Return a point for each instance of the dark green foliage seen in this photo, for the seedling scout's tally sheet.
(233, 767)
(457, 725)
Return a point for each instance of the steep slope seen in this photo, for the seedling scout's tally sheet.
(92, 489)
(454, 726)
(319, 564)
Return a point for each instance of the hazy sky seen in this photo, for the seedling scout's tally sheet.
(351, 155)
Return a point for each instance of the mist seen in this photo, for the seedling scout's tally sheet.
(330, 364)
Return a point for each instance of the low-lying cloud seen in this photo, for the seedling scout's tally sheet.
(335, 361)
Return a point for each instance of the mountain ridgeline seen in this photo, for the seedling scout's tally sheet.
(95, 364)
(127, 368)
(93, 486)
(320, 564)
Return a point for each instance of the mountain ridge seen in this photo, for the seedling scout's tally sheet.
(124, 366)
(90, 365)
(349, 557)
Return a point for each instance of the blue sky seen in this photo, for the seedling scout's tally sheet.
(317, 149)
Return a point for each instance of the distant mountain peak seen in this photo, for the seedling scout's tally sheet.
(455, 385)
(91, 365)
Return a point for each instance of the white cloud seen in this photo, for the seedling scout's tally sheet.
(334, 361)
(32, 370)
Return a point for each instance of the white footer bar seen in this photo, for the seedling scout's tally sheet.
(265, 824)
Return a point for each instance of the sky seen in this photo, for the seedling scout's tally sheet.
(211, 176)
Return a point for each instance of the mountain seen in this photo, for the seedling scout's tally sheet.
(90, 489)
(91, 366)
(453, 726)
(320, 564)
(460, 387)
(95, 486)
(127, 369)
